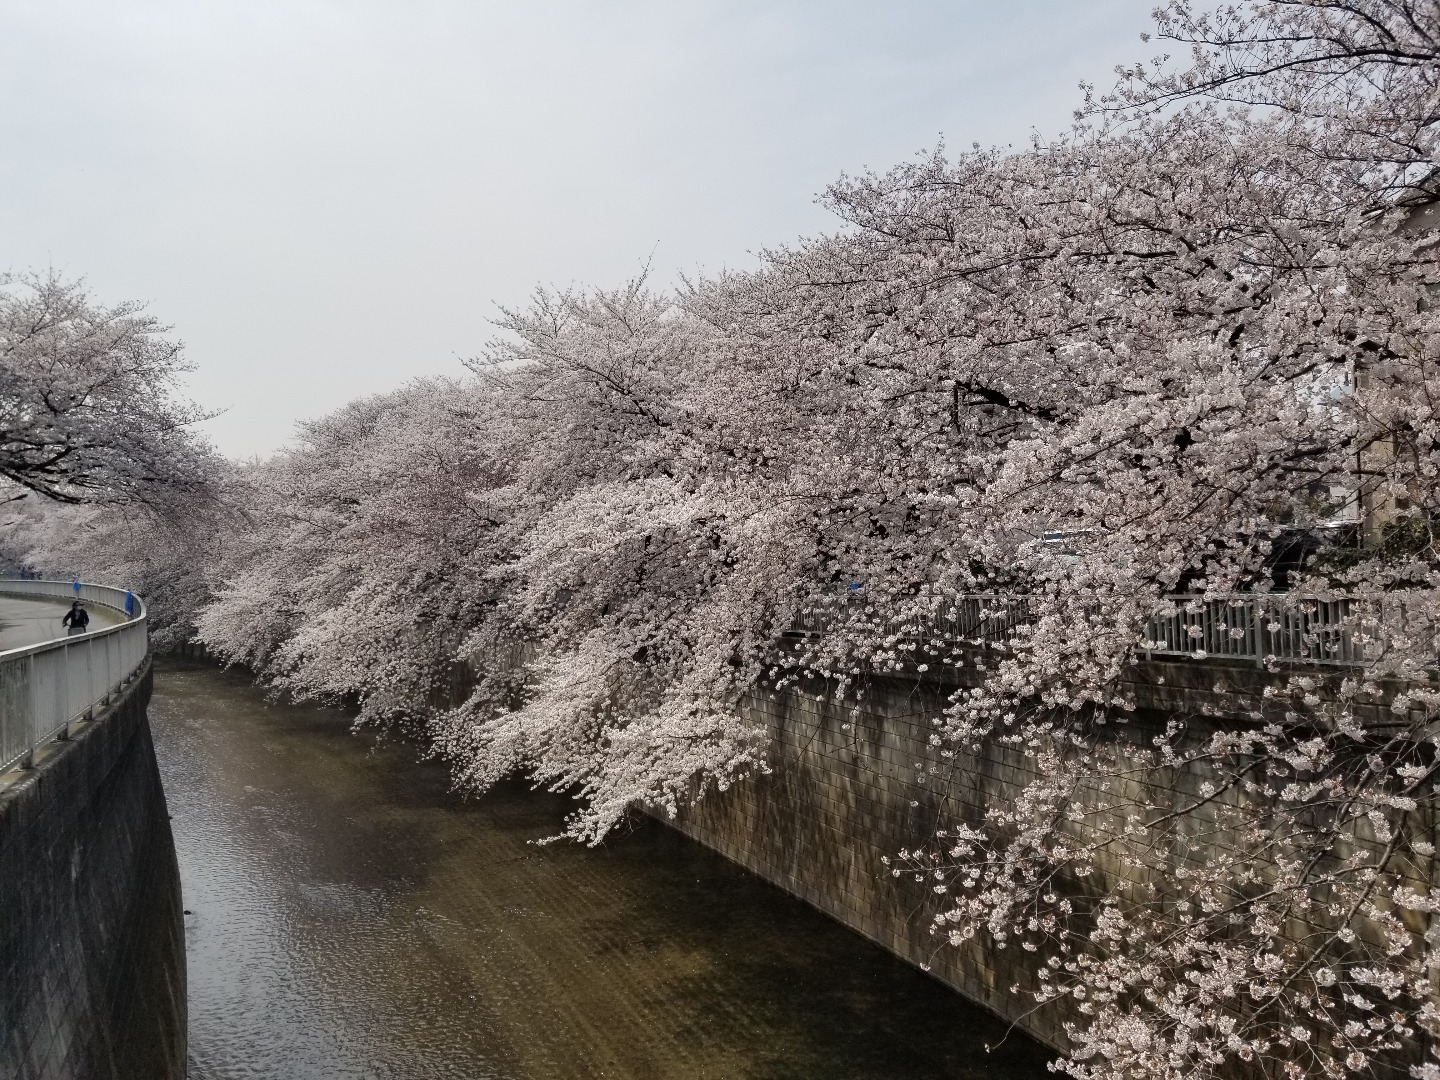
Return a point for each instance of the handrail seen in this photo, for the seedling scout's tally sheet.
(46, 686)
(1264, 628)
(1260, 628)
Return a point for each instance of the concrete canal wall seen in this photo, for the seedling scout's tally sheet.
(92, 949)
(855, 780)
(852, 782)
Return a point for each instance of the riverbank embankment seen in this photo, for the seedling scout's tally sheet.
(92, 972)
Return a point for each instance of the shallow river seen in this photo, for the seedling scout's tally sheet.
(351, 917)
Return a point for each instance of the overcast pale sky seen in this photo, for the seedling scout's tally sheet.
(329, 197)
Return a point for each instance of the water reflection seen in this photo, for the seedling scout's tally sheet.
(353, 918)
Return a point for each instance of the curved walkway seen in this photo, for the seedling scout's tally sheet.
(29, 622)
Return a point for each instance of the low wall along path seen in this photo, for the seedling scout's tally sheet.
(92, 952)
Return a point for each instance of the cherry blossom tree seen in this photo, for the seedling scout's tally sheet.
(1359, 75)
(349, 580)
(88, 404)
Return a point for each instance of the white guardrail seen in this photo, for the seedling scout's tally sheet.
(44, 687)
(1248, 627)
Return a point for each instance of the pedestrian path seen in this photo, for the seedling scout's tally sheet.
(29, 622)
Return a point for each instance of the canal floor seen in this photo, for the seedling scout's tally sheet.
(351, 917)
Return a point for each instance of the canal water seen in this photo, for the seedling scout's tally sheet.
(351, 917)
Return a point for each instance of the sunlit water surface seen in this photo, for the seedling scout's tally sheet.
(351, 917)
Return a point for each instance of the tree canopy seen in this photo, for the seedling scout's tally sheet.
(88, 398)
(1199, 322)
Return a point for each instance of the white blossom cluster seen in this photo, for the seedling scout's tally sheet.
(89, 410)
(1118, 365)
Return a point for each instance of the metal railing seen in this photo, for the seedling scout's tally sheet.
(1266, 628)
(44, 687)
(1247, 627)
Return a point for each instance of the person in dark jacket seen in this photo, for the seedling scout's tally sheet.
(77, 619)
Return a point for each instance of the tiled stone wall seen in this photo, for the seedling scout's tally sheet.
(92, 951)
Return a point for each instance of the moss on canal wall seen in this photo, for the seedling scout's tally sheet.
(92, 948)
